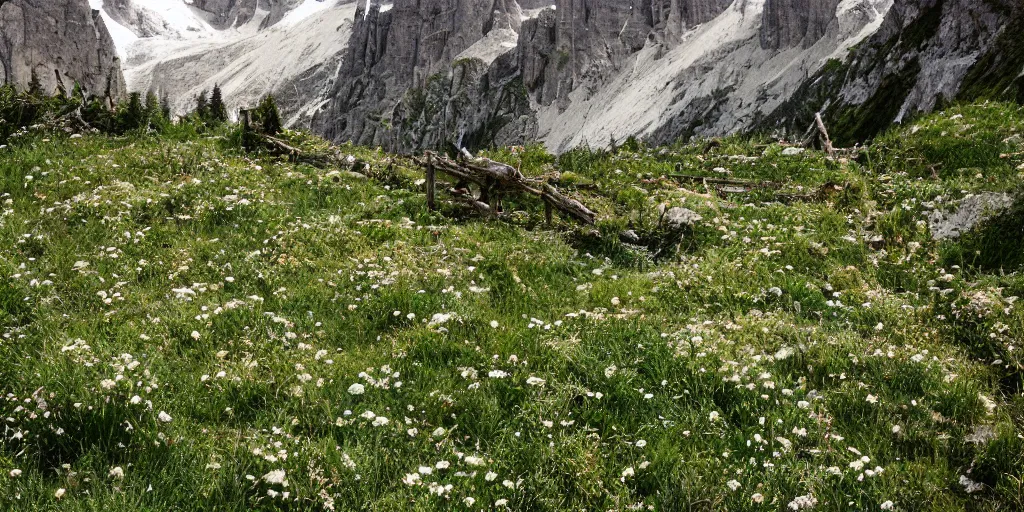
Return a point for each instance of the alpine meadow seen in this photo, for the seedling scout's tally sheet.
(511, 255)
(188, 326)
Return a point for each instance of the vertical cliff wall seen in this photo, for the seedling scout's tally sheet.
(926, 53)
(58, 40)
(571, 72)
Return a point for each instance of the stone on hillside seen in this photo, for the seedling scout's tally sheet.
(629, 237)
(973, 210)
(678, 218)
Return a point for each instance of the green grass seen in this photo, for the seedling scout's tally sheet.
(775, 354)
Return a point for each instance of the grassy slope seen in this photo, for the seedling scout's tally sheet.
(243, 297)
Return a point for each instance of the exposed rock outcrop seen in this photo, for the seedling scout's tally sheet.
(290, 48)
(235, 13)
(399, 51)
(61, 41)
(925, 54)
(413, 74)
(592, 71)
(791, 23)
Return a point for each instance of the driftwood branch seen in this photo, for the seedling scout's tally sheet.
(817, 131)
(496, 178)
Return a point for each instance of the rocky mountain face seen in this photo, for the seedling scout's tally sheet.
(414, 74)
(63, 42)
(927, 53)
(234, 13)
(291, 49)
(403, 55)
(570, 72)
(791, 23)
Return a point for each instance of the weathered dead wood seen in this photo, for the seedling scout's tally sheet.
(480, 206)
(818, 132)
(568, 205)
(826, 141)
(281, 146)
(496, 178)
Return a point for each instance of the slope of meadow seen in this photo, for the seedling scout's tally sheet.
(186, 327)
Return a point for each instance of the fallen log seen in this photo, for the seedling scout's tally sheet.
(497, 178)
(568, 205)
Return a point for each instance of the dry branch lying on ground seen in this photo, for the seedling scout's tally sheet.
(496, 178)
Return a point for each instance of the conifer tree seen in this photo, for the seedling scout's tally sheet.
(202, 106)
(35, 87)
(267, 115)
(165, 106)
(218, 111)
(133, 115)
(154, 114)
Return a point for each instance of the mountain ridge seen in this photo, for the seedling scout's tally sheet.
(408, 75)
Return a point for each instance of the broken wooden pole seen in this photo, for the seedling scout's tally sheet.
(246, 136)
(430, 182)
(548, 213)
(826, 141)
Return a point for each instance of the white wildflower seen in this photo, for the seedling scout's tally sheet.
(803, 502)
(276, 477)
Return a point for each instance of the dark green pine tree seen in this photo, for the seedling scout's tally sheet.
(35, 87)
(165, 107)
(133, 115)
(153, 113)
(202, 106)
(218, 111)
(267, 115)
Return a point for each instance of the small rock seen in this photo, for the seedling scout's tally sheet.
(678, 217)
(973, 210)
(76, 136)
(793, 151)
(629, 237)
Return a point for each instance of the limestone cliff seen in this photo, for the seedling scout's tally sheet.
(790, 23)
(926, 53)
(61, 41)
(233, 13)
(591, 71)
(398, 51)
